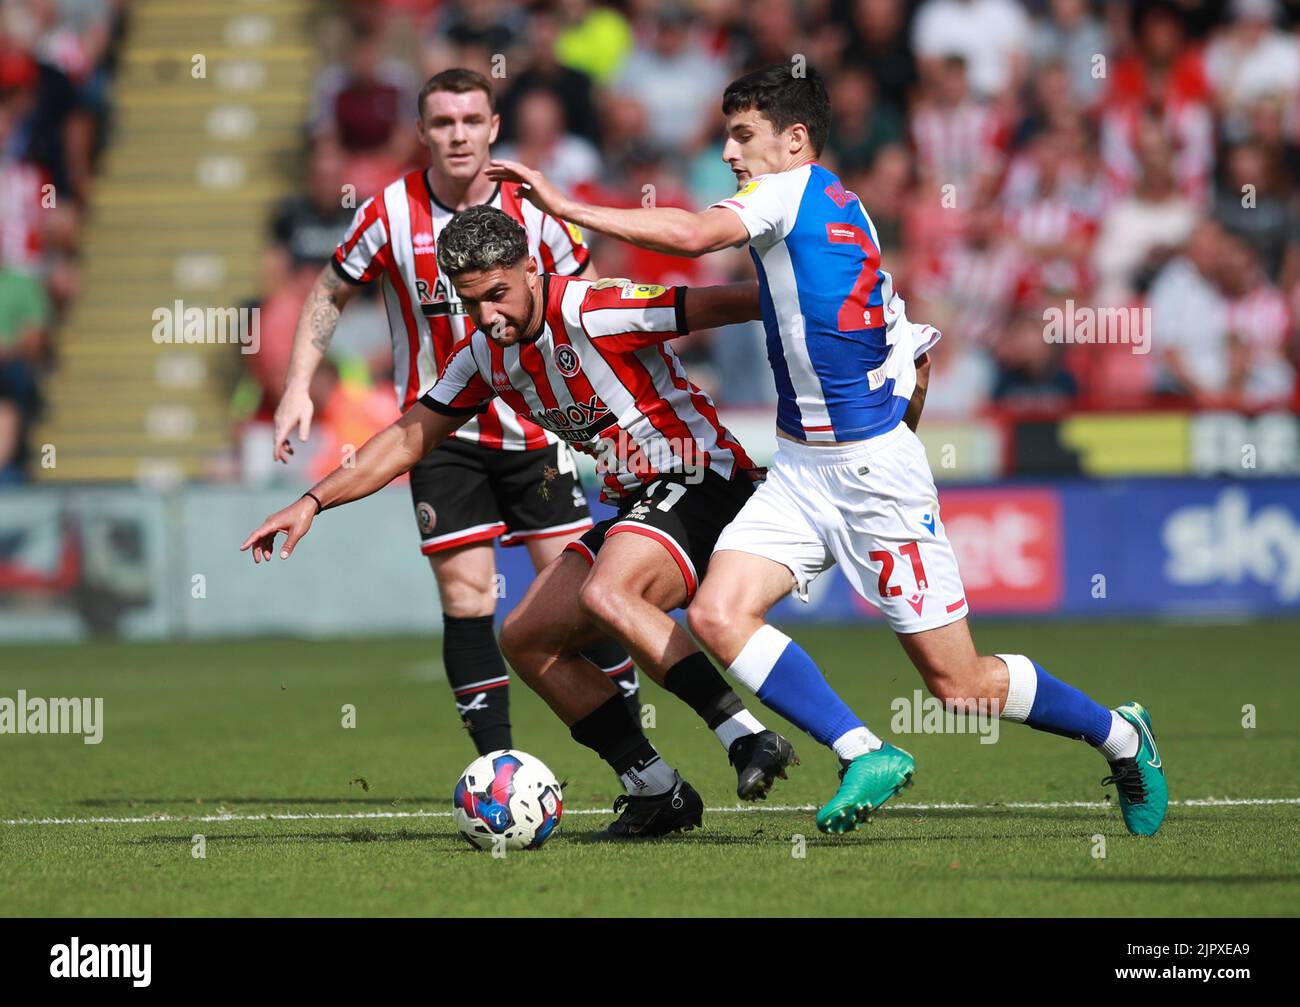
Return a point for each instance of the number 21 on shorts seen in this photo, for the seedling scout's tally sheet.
(912, 550)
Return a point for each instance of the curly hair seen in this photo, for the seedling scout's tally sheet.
(480, 238)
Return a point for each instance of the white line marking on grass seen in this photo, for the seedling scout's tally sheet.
(361, 816)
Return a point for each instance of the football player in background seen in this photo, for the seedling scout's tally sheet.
(498, 476)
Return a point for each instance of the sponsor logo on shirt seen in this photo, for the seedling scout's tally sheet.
(642, 291)
(437, 299)
(578, 423)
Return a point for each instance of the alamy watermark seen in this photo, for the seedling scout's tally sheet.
(59, 715)
(921, 714)
(1085, 325)
(190, 324)
(75, 960)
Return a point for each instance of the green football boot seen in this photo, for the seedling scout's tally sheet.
(865, 784)
(1140, 781)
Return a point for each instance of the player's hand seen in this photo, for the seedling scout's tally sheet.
(294, 520)
(539, 190)
(295, 410)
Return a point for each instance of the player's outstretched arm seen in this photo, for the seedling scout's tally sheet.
(661, 229)
(709, 307)
(316, 323)
(384, 457)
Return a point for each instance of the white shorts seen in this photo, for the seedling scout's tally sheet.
(869, 506)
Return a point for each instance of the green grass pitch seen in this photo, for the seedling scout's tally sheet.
(242, 743)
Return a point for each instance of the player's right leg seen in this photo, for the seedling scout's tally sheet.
(470, 656)
(728, 618)
(774, 546)
(544, 638)
(458, 521)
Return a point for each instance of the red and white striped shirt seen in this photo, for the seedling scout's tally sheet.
(394, 235)
(601, 376)
(955, 145)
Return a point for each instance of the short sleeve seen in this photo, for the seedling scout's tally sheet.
(564, 250)
(767, 205)
(622, 315)
(460, 390)
(362, 254)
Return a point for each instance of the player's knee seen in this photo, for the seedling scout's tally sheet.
(949, 684)
(945, 689)
(467, 601)
(708, 619)
(514, 640)
(601, 600)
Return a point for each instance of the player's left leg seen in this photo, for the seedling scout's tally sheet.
(1020, 690)
(542, 502)
(646, 563)
(543, 638)
(632, 587)
(893, 548)
(608, 655)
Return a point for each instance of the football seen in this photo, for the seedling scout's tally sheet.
(507, 800)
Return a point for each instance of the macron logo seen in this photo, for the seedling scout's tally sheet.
(102, 961)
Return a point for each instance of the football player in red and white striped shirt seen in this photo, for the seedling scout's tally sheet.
(484, 483)
(590, 361)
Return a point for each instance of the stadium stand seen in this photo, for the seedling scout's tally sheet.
(1128, 169)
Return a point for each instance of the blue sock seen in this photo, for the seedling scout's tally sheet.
(788, 681)
(1062, 709)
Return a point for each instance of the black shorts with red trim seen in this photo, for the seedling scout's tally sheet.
(682, 512)
(465, 493)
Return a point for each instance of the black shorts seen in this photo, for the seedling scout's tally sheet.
(466, 493)
(684, 516)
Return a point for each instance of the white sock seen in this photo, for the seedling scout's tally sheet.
(858, 741)
(738, 726)
(1022, 686)
(654, 777)
(755, 661)
(1122, 741)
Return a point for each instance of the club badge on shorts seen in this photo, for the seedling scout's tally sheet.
(426, 517)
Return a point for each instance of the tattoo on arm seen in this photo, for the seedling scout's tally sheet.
(323, 314)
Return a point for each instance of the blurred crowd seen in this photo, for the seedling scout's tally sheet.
(1135, 163)
(56, 61)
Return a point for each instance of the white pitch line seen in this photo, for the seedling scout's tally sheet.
(1199, 802)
